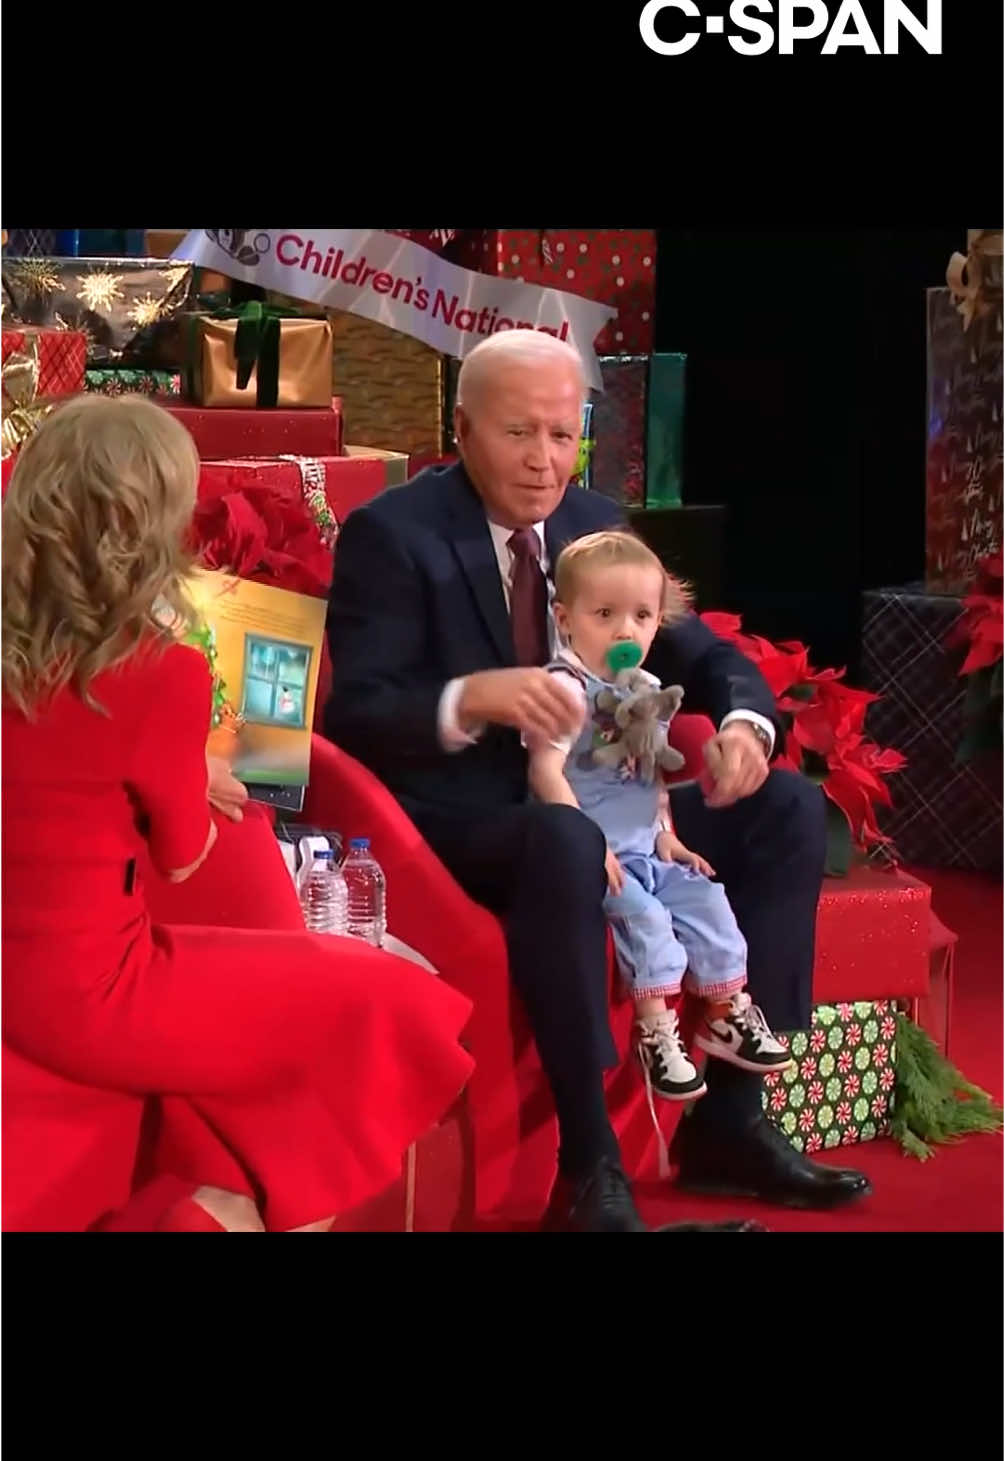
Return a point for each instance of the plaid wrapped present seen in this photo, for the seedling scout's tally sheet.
(841, 1088)
(60, 356)
(944, 814)
(618, 466)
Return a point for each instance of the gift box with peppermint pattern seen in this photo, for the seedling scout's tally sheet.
(840, 1089)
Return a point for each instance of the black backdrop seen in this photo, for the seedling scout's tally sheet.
(805, 412)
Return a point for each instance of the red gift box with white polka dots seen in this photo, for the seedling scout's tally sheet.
(615, 266)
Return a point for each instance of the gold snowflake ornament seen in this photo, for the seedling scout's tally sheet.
(145, 311)
(175, 276)
(99, 290)
(36, 276)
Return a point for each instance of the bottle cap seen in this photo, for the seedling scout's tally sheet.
(360, 842)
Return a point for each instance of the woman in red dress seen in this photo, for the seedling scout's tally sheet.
(315, 1061)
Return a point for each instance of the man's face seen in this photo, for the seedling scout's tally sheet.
(519, 438)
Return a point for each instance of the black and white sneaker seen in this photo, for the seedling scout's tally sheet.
(744, 1038)
(664, 1060)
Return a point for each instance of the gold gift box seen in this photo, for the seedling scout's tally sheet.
(391, 386)
(395, 462)
(305, 365)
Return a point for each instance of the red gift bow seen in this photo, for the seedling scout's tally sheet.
(258, 533)
(980, 625)
(827, 722)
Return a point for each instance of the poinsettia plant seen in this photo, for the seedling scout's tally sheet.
(824, 721)
(980, 628)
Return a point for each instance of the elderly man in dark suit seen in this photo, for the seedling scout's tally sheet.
(439, 625)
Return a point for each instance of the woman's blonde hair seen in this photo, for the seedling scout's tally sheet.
(608, 549)
(92, 537)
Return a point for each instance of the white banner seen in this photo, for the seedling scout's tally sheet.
(382, 277)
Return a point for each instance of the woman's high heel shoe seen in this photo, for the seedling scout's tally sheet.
(186, 1216)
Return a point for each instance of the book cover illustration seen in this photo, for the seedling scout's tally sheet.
(264, 647)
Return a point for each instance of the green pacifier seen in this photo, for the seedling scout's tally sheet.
(625, 656)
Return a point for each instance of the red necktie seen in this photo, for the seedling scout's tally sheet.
(528, 599)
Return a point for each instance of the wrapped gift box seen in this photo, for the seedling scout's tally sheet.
(665, 431)
(615, 266)
(395, 463)
(222, 434)
(59, 355)
(841, 1088)
(291, 368)
(618, 463)
(943, 814)
(391, 385)
(123, 306)
(964, 446)
(872, 936)
(133, 382)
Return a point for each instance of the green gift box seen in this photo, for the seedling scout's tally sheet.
(133, 382)
(840, 1089)
(665, 431)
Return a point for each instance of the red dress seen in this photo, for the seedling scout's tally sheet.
(314, 1061)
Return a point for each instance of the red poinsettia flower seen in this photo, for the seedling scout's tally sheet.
(980, 626)
(827, 723)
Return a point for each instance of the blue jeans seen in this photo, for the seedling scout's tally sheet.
(668, 920)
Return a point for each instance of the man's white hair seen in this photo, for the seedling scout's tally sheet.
(513, 347)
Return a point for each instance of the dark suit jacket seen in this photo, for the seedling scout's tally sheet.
(417, 600)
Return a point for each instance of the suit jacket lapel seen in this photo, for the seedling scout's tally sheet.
(559, 530)
(472, 543)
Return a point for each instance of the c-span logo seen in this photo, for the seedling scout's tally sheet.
(755, 27)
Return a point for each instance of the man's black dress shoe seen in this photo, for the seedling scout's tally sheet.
(602, 1202)
(757, 1161)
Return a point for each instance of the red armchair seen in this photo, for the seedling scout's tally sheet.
(511, 1111)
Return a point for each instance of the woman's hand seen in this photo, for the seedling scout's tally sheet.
(224, 792)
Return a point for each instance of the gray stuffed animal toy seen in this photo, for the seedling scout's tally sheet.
(640, 715)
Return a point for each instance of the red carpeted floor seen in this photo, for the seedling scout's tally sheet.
(960, 1188)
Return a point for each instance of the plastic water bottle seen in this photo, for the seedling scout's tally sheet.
(324, 898)
(364, 880)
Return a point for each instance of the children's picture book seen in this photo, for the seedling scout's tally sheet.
(264, 648)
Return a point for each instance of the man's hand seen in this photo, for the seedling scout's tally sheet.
(669, 848)
(736, 763)
(224, 792)
(533, 701)
(615, 875)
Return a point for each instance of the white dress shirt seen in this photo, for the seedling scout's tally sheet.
(452, 737)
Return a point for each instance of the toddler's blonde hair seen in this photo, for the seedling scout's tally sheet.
(615, 547)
